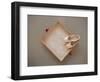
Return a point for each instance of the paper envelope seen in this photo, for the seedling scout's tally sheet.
(59, 41)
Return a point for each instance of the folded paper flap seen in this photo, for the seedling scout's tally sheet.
(52, 29)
